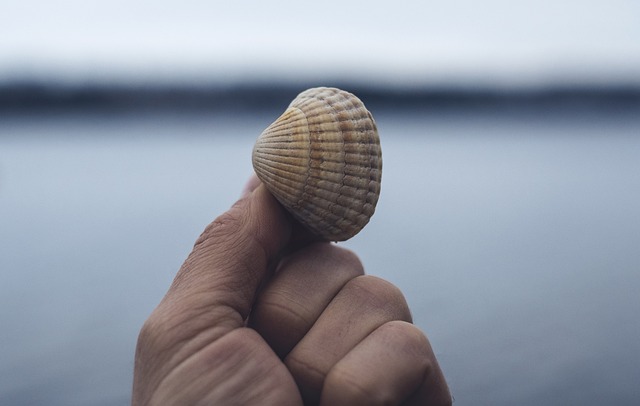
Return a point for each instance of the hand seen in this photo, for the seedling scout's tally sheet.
(243, 323)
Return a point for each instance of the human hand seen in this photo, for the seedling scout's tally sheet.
(251, 318)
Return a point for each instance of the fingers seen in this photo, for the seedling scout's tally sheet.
(362, 305)
(338, 330)
(215, 288)
(239, 369)
(230, 258)
(302, 288)
(393, 365)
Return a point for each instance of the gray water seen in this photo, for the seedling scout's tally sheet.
(515, 238)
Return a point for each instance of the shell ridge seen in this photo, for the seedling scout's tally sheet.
(283, 167)
(287, 195)
(309, 218)
(320, 197)
(337, 114)
(369, 142)
(286, 192)
(273, 147)
(346, 219)
(322, 161)
(308, 139)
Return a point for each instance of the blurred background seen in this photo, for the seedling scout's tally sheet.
(510, 206)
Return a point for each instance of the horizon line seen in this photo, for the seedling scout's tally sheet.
(34, 95)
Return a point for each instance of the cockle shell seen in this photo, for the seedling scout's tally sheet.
(322, 160)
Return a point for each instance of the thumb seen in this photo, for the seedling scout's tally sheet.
(217, 283)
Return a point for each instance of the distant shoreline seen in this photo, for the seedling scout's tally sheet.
(33, 96)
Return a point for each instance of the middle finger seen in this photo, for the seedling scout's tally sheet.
(303, 286)
(364, 304)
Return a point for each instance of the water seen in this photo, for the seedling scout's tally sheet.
(513, 236)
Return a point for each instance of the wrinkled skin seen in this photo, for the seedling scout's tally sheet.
(261, 315)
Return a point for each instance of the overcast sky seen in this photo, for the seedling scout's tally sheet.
(499, 41)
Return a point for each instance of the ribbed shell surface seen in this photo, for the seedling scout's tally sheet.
(322, 160)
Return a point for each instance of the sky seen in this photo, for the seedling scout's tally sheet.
(515, 43)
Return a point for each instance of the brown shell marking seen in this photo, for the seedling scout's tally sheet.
(322, 160)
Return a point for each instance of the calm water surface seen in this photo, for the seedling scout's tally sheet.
(515, 238)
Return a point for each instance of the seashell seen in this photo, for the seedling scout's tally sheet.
(322, 161)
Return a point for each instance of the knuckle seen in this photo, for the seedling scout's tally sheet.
(411, 335)
(225, 225)
(411, 340)
(352, 391)
(150, 335)
(281, 308)
(330, 256)
(379, 293)
(307, 372)
(347, 257)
